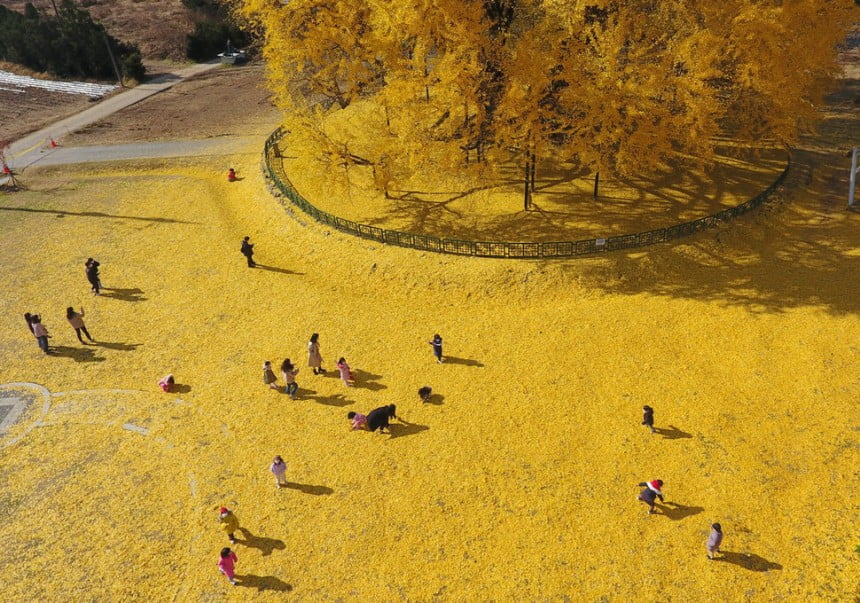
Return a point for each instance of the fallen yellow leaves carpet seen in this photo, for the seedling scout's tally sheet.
(519, 483)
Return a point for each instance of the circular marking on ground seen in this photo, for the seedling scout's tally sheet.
(19, 403)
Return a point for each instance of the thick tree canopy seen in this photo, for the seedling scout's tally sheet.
(620, 85)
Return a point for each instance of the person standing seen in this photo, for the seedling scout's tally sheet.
(248, 251)
(648, 417)
(653, 490)
(227, 564)
(40, 332)
(229, 523)
(269, 375)
(76, 319)
(436, 342)
(314, 356)
(345, 372)
(92, 270)
(279, 468)
(715, 539)
(289, 372)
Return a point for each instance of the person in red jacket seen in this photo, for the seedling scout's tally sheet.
(653, 490)
(231, 175)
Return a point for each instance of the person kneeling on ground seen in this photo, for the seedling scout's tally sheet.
(359, 421)
(377, 419)
(425, 392)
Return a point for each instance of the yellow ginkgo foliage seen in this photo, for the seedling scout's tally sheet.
(616, 86)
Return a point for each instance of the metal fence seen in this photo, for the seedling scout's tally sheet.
(274, 170)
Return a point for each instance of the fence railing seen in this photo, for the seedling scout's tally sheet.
(274, 170)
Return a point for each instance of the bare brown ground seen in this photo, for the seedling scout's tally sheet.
(225, 101)
(31, 109)
(157, 27)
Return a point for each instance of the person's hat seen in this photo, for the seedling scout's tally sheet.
(223, 510)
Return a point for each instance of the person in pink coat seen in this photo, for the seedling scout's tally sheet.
(345, 373)
(227, 564)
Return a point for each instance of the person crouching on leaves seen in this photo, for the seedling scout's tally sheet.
(359, 421)
(231, 175)
(653, 490)
(377, 419)
(166, 383)
(424, 393)
(229, 523)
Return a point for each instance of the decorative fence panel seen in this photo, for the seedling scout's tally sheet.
(274, 171)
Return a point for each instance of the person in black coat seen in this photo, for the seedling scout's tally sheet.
(648, 417)
(92, 269)
(378, 418)
(248, 251)
(653, 490)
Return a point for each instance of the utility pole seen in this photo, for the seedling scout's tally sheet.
(112, 59)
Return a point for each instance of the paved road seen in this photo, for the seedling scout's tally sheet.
(32, 148)
(220, 145)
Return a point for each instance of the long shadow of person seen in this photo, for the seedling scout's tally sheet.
(129, 295)
(677, 512)
(266, 545)
(76, 354)
(333, 400)
(463, 361)
(278, 270)
(121, 347)
(750, 561)
(404, 428)
(368, 380)
(672, 433)
(262, 583)
(309, 489)
(437, 399)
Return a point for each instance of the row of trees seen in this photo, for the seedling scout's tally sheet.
(66, 44)
(615, 85)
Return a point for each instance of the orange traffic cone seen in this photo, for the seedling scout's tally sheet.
(53, 144)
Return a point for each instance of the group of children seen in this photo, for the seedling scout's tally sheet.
(653, 490)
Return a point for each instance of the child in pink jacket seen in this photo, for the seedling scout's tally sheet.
(227, 564)
(345, 372)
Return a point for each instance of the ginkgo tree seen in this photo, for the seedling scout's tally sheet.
(614, 85)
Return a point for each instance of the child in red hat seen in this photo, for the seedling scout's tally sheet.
(653, 490)
(229, 523)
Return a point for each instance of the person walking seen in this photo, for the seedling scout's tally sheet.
(93, 276)
(279, 468)
(40, 332)
(289, 372)
(653, 490)
(345, 372)
(436, 342)
(269, 375)
(648, 417)
(229, 523)
(715, 539)
(227, 564)
(76, 319)
(248, 251)
(314, 356)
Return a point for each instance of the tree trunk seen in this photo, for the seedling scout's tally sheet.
(527, 194)
(596, 183)
(534, 169)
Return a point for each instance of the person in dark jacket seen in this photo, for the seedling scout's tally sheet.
(648, 417)
(653, 490)
(248, 251)
(92, 270)
(378, 418)
(29, 318)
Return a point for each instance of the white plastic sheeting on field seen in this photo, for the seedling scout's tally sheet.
(8, 80)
